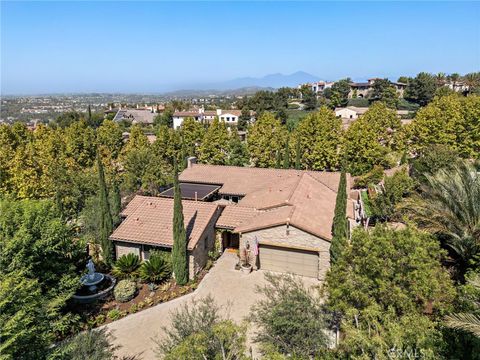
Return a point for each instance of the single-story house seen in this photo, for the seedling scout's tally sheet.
(148, 225)
(283, 218)
(136, 116)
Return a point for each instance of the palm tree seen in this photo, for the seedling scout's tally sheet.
(468, 322)
(449, 206)
(472, 81)
(454, 79)
(441, 79)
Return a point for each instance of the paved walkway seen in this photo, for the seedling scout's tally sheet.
(230, 288)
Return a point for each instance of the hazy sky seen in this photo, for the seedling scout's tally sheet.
(51, 47)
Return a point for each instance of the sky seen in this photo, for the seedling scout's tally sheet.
(54, 47)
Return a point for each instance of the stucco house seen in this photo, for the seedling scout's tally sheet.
(228, 116)
(287, 213)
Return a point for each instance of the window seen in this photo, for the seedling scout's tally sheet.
(228, 118)
(235, 199)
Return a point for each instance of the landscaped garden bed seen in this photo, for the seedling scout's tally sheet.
(133, 294)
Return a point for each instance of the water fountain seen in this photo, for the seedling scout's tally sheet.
(95, 285)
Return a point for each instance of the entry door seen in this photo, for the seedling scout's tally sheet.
(300, 262)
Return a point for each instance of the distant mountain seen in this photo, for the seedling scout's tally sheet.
(246, 85)
(205, 93)
(272, 80)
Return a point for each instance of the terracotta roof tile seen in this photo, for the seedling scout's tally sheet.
(234, 215)
(150, 220)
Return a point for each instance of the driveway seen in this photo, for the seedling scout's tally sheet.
(231, 289)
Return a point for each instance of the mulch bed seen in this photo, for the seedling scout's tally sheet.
(96, 314)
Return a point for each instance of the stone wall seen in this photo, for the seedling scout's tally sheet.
(293, 238)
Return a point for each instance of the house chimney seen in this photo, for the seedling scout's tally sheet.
(219, 112)
(190, 161)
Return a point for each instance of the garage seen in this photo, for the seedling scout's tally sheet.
(288, 260)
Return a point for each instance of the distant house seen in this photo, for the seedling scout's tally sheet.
(205, 116)
(319, 86)
(282, 218)
(135, 116)
(350, 112)
(363, 89)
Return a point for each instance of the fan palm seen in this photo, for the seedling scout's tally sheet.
(449, 207)
(468, 322)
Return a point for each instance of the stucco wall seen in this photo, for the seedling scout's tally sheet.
(123, 248)
(295, 238)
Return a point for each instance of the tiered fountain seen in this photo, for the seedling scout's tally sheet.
(95, 285)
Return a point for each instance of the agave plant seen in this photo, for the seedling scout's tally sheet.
(126, 266)
(156, 269)
(468, 322)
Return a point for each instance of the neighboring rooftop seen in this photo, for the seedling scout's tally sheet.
(149, 221)
(136, 116)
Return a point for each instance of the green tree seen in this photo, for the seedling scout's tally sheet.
(320, 135)
(198, 331)
(237, 151)
(105, 216)
(286, 157)
(309, 98)
(39, 258)
(192, 133)
(266, 136)
(422, 88)
(244, 119)
(110, 141)
(451, 121)
(298, 154)
(449, 207)
(214, 149)
(384, 91)
(370, 138)
(432, 159)
(338, 95)
(340, 221)
(179, 251)
(290, 317)
(379, 305)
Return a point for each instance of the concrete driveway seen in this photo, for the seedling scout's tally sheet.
(231, 289)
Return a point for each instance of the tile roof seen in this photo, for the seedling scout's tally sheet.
(308, 205)
(150, 220)
(135, 116)
(234, 215)
(244, 180)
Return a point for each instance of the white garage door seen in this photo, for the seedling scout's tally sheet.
(300, 262)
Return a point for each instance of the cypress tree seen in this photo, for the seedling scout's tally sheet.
(116, 203)
(298, 155)
(89, 113)
(278, 163)
(179, 251)
(340, 222)
(286, 159)
(106, 222)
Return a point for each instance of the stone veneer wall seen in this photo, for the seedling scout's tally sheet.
(296, 239)
(124, 248)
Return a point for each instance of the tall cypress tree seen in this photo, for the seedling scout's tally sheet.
(286, 159)
(89, 114)
(116, 203)
(106, 222)
(278, 163)
(179, 251)
(298, 156)
(340, 222)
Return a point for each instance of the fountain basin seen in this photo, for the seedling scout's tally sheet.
(104, 291)
(91, 280)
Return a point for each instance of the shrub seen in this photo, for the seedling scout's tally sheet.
(115, 314)
(125, 290)
(374, 176)
(126, 266)
(291, 317)
(199, 332)
(156, 269)
(93, 344)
